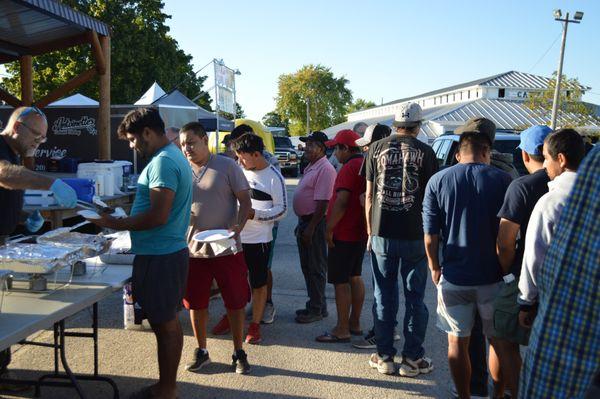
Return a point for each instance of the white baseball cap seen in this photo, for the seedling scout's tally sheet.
(409, 115)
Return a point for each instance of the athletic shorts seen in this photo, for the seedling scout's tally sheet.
(506, 315)
(158, 283)
(345, 260)
(231, 275)
(275, 229)
(457, 304)
(257, 260)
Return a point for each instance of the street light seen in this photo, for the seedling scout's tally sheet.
(557, 17)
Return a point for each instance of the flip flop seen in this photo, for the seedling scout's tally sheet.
(330, 338)
(358, 333)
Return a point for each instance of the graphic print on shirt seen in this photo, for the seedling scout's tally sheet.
(398, 177)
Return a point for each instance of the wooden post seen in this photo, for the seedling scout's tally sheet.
(104, 107)
(26, 63)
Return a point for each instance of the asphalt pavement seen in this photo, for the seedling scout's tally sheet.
(288, 364)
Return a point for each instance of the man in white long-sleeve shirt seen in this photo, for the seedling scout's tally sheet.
(563, 152)
(269, 204)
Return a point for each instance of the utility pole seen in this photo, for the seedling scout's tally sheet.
(307, 116)
(556, 102)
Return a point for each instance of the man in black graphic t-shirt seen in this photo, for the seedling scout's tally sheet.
(397, 170)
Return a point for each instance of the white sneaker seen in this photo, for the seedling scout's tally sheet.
(268, 314)
(383, 365)
(412, 368)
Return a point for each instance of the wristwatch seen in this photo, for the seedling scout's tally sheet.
(509, 278)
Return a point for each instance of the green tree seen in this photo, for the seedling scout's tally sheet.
(359, 104)
(239, 113)
(273, 119)
(328, 98)
(142, 51)
(572, 112)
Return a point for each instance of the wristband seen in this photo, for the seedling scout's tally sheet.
(509, 278)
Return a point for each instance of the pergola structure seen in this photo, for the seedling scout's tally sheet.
(34, 27)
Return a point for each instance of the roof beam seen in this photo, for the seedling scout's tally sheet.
(12, 48)
(60, 44)
(9, 98)
(97, 52)
(66, 88)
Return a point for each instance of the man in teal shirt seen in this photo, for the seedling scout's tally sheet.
(158, 223)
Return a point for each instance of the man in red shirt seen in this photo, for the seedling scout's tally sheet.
(346, 236)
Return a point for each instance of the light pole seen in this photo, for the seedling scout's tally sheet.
(307, 116)
(557, 17)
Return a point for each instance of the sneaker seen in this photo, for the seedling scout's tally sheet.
(412, 368)
(200, 360)
(222, 326)
(305, 318)
(368, 342)
(305, 311)
(253, 336)
(240, 362)
(269, 314)
(385, 365)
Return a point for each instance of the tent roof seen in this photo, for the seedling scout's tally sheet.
(152, 94)
(74, 100)
(176, 99)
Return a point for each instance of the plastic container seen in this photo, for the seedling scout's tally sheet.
(68, 165)
(107, 175)
(85, 188)
(39, 198)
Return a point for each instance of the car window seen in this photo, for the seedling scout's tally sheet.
(510, 147)
(436, 145)
(283, 142)
(442, 153)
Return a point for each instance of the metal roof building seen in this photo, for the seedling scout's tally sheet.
(500, 98)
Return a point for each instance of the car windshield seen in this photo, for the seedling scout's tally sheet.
(510, 147)
(283, 142)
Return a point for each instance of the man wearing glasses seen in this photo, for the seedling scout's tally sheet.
(25, 131)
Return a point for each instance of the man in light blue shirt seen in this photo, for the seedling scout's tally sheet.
(158, 224)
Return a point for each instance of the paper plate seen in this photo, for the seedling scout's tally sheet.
(88, 214)
(213, 235)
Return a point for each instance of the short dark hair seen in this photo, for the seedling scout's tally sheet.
(248, 143)
(567, 142)
(414, 128)
(477, 143)
(195, 127)
(138, 119)
(380, 132)
(537, 158)
(239, 131)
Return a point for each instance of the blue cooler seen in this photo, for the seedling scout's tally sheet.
(85, 188)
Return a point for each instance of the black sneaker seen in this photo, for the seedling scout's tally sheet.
(201, 359)
(304, 312)
(240, 362)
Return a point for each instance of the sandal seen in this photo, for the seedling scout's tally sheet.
(330, 338)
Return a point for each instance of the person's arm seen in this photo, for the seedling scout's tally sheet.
(245, 202)
(317, 216)
(161, 201)
(15, 177)
(337, 213)
(279, 199)
(432, 247)
(506, 244)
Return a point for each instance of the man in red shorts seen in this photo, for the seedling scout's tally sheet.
(219, 184)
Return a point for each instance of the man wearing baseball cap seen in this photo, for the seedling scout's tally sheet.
(521, 196)
(310, 204)
(398, 168)
(346, 238)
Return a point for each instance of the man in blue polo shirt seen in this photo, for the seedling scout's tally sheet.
(158, 224)
(462, 203)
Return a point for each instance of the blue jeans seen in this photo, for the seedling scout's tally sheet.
(389, 255)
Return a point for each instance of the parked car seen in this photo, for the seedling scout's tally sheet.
(445, 148)
(287, 155)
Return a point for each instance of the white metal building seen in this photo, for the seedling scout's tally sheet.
(500, 98)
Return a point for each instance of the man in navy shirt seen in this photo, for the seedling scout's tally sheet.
(461, 204)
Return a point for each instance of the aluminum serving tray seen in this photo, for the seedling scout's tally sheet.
(37, 258)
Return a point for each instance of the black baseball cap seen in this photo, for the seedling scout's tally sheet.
(315, 136)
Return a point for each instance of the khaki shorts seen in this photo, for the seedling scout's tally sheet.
(457, 304)
(506, 315)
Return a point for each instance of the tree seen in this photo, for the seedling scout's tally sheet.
(328, 98)
(142, 52)
(359, 105)
(572, 112)
(239, 113)
(273, 119)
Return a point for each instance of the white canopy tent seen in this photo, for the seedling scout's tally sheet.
(76, 100)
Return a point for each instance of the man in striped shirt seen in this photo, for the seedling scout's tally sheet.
(269, 204)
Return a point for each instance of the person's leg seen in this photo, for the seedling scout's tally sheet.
(386, 260)
(496, 373)
(414, 280)
(271, 253)
(509, 356)
(357, 290)
(303, 254)
(318, 269)
(199, 282)
(342, 303)
(236, 321)
(460, 365)
(477, 356)
(270, 287)
(259, 300)
(199, 319)
(169, 340)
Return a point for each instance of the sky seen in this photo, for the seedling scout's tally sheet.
(386, 49)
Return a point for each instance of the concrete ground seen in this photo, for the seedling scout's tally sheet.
(288, 364)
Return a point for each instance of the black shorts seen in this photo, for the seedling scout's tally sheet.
(345, 261)
(158, 284)
(257, 259)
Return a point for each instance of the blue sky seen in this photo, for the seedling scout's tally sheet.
(386, 49)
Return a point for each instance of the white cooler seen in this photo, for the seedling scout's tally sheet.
(107, 176)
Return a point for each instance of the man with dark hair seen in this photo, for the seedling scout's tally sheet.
(398, 168)
(563, 152)
(310, 204)
(521, 196)
(218, 185)
(460, 206)
(346, 238)
(158, 222)
(269, 204)
(358, 128)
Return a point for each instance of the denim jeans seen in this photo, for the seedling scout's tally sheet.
(313, 261)
(389, 255)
